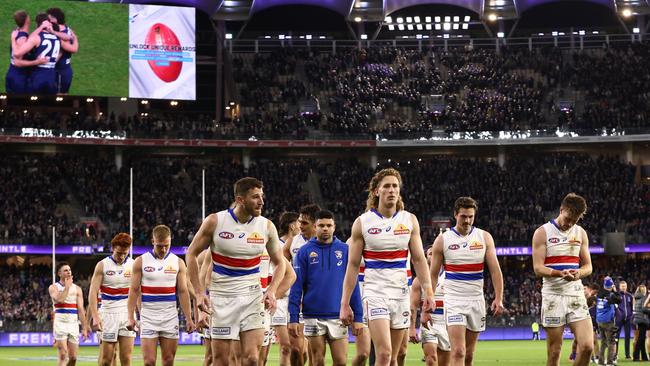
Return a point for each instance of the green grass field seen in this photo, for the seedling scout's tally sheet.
(488, 353)
(101, 67)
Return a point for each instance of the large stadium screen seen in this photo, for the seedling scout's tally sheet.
(98, 49)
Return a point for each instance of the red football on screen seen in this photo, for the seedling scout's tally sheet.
(165, 44)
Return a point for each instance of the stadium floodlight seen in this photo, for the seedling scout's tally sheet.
(391, 27)
(401, 27)
(561, 33)
(446, 26)
(446, 35)
(144, 101)
(437, 19)
(33, 97)
(60, 99)
(492, 17)
(427, 19)
(90, 100)
(267, 37)
(467, 18)
(173, 103)
(409, 20)
(227, 107)
(438, 26)
(416, 19)
(427, 27)
(540, 34)
(229, 3)
(321, 37)
(357, 19)
(418, 36)
(388, 20)
(123, 99)
(308, 36)
(636, 30)
(288, 37)
(400, 20)
(301, 37)
(409, 27)
(228, 35)
(582, 33)
(232, 103)
(3, 96)
(499, 2)
(405, 36)
(364, 36)
(626, 13)
(554, 33)
(594, 32)
(456, 19)
(419, 26)
(465, 25)
(447, 19)
(500, 35)
(425, 36)
(456, 26)
(281, 36)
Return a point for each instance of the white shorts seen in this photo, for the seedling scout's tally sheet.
(396, 310)
(332, 328)
(234, 314)
(281, 315)
(114, 326)
(152, 326)
(66, 331)
(558, 310)
(437, 333)
(468, 313)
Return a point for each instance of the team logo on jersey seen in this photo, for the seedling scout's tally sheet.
(255, 238)
(454, 247)
(127, 273)
(374, 231)
(170, 270)
(149, 269)
(110, 273)
(226, 235)
(574, 240)
(401, 229)
(476, 245)
(338, 254)
(313, 258)
(553, 240)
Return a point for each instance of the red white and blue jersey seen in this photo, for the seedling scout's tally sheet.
(386, 254)
(115, 285)
(237, 250)
(66, 311)
(464, 262)
(265, 270)
(439, 297)
(296, 243)
(562, 252)
(159, 285)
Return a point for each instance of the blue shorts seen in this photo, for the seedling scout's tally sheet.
(16, 81)
(43, 81)
(64, 79)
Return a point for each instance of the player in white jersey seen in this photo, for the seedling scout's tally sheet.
(111, 280)
(157, 277)
(561, 257)
(203, 324)
(237, 238)
(435, 339)
(288, 227)
(362, 340)
(307, 221)
(384, 236)
(68, 302)
(464, 250)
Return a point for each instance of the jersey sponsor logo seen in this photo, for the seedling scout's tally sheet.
(374, 231)
(220, 330)
(241, 235)
(406, 313)
(110, 273)
(311, 329)
(552, 320)
(455, 318)
(127, 273)
(476, 245)
(553, 240)
(147, 332)
(574, 240)
(255, 238)
(388, 228)
(170, 270)
(454, 247)
(279, 319)
(226, 235)
(313, 258)
(378, 311)
(149, 269)
(107, 336)
(401, 229)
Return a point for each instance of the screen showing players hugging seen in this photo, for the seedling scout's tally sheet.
(98, 49)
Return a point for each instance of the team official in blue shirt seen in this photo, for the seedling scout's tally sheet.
(320, 269)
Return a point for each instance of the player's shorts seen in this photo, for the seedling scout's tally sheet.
(152, 326)
(332, 328)
(114, 326)
(468, 313)
(16, 81)
(281, 315)
(234, 314)
(397, 311)
(437, 334)
(559, 310)
(43, 81)
(64, 79)
(205, 333)
(66, 331)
